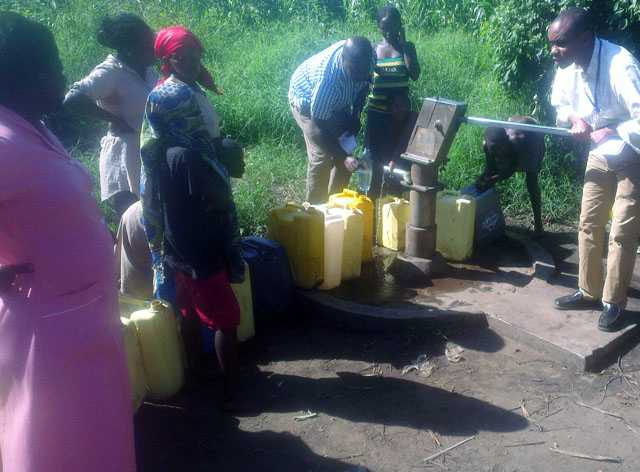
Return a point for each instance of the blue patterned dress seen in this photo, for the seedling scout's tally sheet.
(173, 117)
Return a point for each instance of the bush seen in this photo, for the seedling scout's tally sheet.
(517, 32)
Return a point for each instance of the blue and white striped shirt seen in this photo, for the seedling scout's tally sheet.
(319, 86)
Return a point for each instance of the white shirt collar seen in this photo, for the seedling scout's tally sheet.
(596, 56)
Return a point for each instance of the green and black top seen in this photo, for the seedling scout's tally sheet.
(390, 77)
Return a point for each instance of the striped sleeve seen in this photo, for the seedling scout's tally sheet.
(325, 95)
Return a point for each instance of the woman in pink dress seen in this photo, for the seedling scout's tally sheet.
(65, 403)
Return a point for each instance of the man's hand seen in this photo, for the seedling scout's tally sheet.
(581, 130)
(9, 273)
(355, 125)
(351, 163)
(602, 134)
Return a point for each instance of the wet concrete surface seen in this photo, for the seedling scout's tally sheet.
(506, 261)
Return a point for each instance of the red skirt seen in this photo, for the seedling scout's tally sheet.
(212, 300)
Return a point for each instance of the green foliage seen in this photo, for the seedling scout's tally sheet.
(517, 32)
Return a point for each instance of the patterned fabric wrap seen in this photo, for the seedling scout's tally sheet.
(174, 118)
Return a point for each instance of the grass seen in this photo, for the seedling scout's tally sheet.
(253, 64)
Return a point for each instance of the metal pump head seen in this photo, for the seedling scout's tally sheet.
(437, 125)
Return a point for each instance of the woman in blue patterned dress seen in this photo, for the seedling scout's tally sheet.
(188, 209)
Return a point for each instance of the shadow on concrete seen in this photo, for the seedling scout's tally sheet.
(497, 275)
(383, 400)
(503, 253)
(562, 247)
(485, 340)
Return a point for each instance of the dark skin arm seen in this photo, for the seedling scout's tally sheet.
(83, 105)
(321, 134)
(493, 173)
(408, 51)
(9, 273)
(536, 200)
(410, 57)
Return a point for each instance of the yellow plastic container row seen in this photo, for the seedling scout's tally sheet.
(455, 221)
(135, 365)
(162, 349)
(247, 328)
(353, 200)
(300, 229)
(395, 216)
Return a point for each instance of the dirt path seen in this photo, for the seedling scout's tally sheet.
(369, 414)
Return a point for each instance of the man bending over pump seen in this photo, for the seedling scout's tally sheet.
(510, 151)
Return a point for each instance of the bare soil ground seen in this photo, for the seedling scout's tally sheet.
(515, 403)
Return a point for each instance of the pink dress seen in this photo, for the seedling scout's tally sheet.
(65, 403)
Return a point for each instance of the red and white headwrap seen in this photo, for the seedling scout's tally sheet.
(172, 39)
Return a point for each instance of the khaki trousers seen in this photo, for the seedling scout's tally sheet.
(605, 188)
(326, 175)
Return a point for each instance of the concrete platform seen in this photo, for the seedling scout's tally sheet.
(509, 287)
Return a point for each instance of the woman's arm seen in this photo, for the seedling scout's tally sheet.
(410, 56)
(79, 103)
(84, 96)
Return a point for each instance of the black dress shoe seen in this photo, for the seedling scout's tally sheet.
(611, 318)
(576, 301)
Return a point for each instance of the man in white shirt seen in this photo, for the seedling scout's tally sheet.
(596, 92)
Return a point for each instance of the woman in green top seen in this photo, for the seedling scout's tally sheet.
(388, 113)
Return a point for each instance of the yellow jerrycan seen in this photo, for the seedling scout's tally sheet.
(351, 199)
(395, 216)
(135, 364)
(130, 304)
(352, 245)
(300, 229)
(333, 244)
(379, 205)
(455, 221)
(160, 344)
(247, 328)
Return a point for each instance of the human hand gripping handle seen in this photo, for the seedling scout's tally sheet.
(351, 163)
(580, 129)
(9, 273)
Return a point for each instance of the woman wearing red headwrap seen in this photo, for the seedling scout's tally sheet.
(188, 209)
(181, 52)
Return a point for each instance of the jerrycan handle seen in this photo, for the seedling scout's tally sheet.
(350, 193)
(304, 207)
(158, 305)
